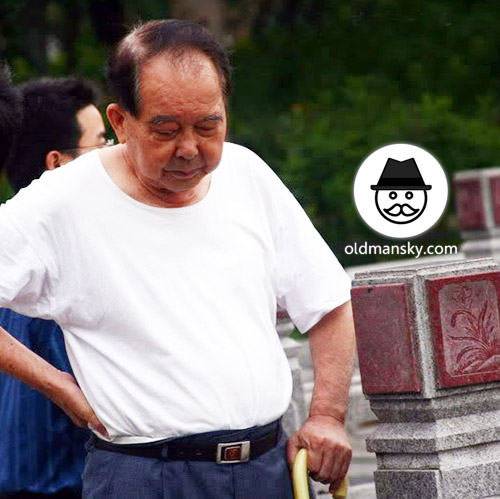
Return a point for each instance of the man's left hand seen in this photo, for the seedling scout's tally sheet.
(329, 450)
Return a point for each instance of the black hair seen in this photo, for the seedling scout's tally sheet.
(49, 123)
(10, 114)
(153, 38)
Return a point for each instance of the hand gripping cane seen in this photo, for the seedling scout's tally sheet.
(301, 484)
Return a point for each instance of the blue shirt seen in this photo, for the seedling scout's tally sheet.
(41, 450)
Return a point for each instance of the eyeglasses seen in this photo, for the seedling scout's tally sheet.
(108, 143)
(80, 150)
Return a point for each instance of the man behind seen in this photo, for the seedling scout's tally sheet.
(163, 259)
(41, 451)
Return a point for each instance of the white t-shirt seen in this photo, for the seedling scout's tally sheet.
(169, 314)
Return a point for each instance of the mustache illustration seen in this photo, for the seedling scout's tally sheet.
(401, 209)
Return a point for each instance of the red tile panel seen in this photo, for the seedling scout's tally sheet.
(469, 204)
(385, 341)
(465, 325)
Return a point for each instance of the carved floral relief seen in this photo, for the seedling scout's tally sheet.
(470, 326)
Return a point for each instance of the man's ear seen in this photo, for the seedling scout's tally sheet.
(117, 117)
(53, 159)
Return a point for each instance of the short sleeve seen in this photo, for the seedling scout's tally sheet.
(310, 282)
(24, 285)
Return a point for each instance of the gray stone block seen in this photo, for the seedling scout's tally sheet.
(472, 482)
(434, 436)
(408, 484)
(442, 441)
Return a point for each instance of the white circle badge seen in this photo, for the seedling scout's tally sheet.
(400, 190)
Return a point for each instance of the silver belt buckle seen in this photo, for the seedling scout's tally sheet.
(233, 452)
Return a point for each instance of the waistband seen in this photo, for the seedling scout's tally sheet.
(223, 447)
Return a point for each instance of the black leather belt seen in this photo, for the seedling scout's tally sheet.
(191, 449)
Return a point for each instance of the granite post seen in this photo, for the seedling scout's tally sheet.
(477, 205)
(429, 354)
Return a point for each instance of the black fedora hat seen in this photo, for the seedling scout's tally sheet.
(401, 175)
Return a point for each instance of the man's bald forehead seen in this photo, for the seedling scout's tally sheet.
(168, 67)
(185, 63)
(180, 40)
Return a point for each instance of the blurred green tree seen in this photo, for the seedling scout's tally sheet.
(320, 85)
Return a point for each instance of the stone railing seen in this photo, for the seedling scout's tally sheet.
(429, 354)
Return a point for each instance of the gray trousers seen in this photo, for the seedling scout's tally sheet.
(115, 476)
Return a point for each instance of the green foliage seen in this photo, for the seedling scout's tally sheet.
(322, 98)
(5, 190)
(324, 147)
(90, 54)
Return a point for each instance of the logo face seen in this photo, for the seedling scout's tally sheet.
(400, 190)
(401, 195)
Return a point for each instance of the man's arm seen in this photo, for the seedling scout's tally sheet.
(60, 387)
(332, 344)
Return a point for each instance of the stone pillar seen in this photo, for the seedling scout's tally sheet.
(477, 203)
(296, 413)
(429, 355)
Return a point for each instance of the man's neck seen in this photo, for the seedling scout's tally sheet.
(116, 167)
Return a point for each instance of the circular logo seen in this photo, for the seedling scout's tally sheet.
(400, 190)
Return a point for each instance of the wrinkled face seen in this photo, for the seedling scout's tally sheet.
(401, 206)
(178, 135)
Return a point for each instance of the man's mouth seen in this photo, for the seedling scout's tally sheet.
(401, 209)
(183, 174)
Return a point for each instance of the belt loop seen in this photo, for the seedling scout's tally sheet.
(164, 452)
(279, 431)
(90, 443)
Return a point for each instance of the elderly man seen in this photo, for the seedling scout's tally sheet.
(43, 456)
(163, 259)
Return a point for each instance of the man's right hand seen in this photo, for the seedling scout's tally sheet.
(59, 386)
(70, 398)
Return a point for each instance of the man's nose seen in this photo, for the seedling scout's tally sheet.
(187, 145)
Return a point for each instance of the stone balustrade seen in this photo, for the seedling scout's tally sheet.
(429, 356)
